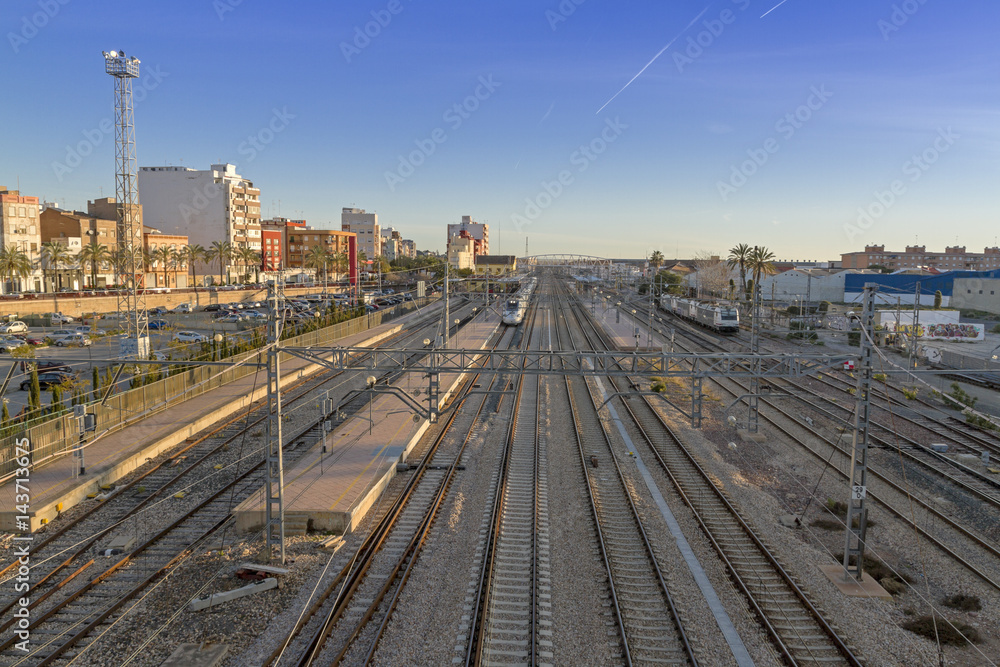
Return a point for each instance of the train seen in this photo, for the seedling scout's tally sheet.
(516, 304)
(715, 316)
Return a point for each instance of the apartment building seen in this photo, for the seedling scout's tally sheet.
(215, 204)
(163, 271)
(954, 258)
(19, 226)
(335, 242)
(365, 226)
(76, 230)
(409, 248)
(479, 231)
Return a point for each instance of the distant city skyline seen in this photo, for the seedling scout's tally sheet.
(812, 128)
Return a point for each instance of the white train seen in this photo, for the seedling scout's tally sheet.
(517, 304)
(718, 317)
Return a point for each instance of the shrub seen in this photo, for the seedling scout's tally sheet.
(963, 602)
(962, 396)
(995, 329)
(911, 394)
(879, 377)
(956, 633)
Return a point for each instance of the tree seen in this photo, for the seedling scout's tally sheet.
(165, 257)
(34, 391)
(223, 252)
(251, 258)
(14, 263)
(739, 258)
(320, 259)
(192, 254)
(55, 256)
(94, 254)
(656, 260)
(761, 263)
(938, 299)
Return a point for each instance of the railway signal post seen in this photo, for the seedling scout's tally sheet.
(274, 528)
(854, 541)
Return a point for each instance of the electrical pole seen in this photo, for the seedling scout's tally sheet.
(129, 267)
(913, 330)
(447, 304)
(854, 541)
(754, 398)
(275, 509)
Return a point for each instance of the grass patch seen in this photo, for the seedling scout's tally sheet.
(827, 524)
(963, 602)
(924, 626)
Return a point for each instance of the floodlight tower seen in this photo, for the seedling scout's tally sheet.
(129, 267)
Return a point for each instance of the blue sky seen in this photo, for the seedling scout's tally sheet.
(772, 130)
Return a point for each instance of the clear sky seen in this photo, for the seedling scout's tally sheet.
(589, 126)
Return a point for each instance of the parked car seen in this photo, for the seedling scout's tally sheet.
(157, 325)
(83, 329)
(212, 307)
(231, 317)
(35, 339)
(59, 318)
(46, 366)
(190, 337)
(182, 308)
(46, 380)
(159, 310)
(17, 326)
(56, 334)
(75, 339)
(11, 344)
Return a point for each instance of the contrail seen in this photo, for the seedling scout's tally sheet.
(669, 44)
(773, 8)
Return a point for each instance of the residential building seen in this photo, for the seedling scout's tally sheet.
(954, 258)
(76, 229)
(495, 265)
(477, 230)
(161, 271)
(392, 244)
(365, 226)
(302, 240)
(462, 251)
(215, 204)
(272, 239)
(409, 248)
(19, 226)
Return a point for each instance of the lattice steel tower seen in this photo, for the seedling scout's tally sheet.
(129, 265)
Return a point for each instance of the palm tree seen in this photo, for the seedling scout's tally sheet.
(655, 261)
(251, 258)
(761, 264)
(222, 251)
(14, 263)
(165, 256)
(55, 256)
(95, 254)
(340, 263)
(739, 257)
(192, 254)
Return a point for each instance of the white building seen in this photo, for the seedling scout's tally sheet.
(209, 205)
(477, 230)
(806, 284)
(366, 226)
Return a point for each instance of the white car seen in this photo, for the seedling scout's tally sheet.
(183, 308)
(55, 335)
(17, 326)
(190, 337)
(74, 339)
(59, 318)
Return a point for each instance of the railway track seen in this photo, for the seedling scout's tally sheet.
(824, 447)
(796, 626)
(347, 619)
(68, 611)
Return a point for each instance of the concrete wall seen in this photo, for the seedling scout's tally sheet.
(977, 294)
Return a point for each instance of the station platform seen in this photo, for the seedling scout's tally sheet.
(333, 491)
(626, 331)
(57, 485)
